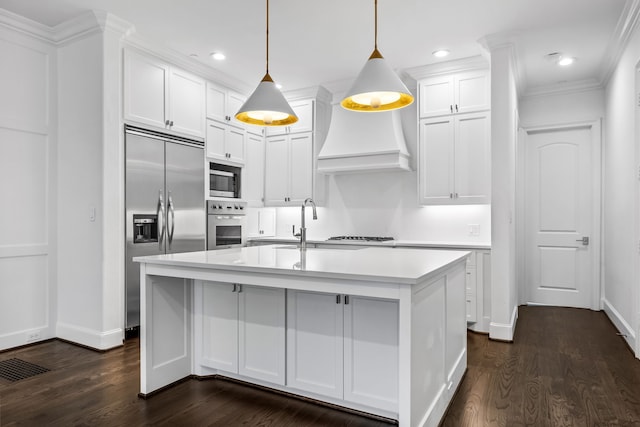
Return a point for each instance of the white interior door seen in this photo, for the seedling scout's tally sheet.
(560, 221)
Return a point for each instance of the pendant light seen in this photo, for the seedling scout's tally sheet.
(267, 106)
(377, 87)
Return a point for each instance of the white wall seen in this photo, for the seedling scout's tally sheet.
(562, 108)
(385, 204)
(27, 185)
(620, 209)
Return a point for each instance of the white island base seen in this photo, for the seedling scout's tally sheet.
(378, 330)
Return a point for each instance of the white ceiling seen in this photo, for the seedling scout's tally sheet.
(327, 41)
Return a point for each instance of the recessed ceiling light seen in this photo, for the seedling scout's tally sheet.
(218, 56)
(441, 53)
(565, 61)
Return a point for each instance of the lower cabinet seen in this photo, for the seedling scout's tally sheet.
(343, 346)
(244, 330)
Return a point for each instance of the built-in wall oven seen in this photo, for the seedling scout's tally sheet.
(224, 181)
(226, 224)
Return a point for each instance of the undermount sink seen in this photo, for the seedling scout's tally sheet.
(343, 248)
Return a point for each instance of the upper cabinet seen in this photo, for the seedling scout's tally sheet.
(223, 104)
(304, 111)
(162, 96)
(454, 149)
(225, 142)
(458, 93)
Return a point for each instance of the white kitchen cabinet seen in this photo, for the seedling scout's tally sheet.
(288, 169)
(225, 142)
(344, 347)
(261, 222)
(454, 159)
(304, 111)
(223, 104)
(243, 330)
(458, 93)
(162, 96)
(253, 171)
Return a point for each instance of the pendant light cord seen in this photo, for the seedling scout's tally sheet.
(375, 42)
(268, 36)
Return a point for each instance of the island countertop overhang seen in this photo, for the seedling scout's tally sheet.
(370, 264)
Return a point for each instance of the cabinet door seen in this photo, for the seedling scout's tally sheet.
(145, 89)
(276, 180)
(304, 111)
(216, 140)
(436, 96)
(187, 103)
(234, 102)
(220, 326)
(371, 352)
(234, 144)
(301, 165)
(267, 222)
(216, 102)
(253, 171)
(472, 92)
(315, 343)
(436, 161)
(472, 158)
(261, 346)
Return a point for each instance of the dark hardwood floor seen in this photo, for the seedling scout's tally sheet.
(567, 367)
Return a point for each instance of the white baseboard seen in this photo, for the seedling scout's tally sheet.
(89, 337)
(621, 324)
(24, 337)
(504, 331)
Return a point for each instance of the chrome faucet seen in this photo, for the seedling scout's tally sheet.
(303, 228)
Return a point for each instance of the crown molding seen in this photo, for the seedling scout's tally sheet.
(26, 26)
(507, 40)
(477, 62)
(625, 27)
(564, 88)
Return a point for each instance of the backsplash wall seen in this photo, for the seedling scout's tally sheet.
(385, 204)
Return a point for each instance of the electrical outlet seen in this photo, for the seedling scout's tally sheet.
(474, 229)
(33, 336)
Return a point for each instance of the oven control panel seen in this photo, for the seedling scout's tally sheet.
(216, 207)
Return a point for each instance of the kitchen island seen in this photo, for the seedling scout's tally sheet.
(379, 330)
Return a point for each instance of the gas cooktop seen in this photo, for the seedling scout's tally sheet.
(362, 238)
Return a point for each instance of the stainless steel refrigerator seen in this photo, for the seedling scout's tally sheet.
(165, 204)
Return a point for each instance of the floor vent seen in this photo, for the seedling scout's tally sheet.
(16, 369)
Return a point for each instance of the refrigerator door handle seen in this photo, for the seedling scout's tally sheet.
(170, 215)
(161, 224)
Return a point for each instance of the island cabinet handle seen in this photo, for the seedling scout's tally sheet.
(234, 287)
(239, 288)
(337, 299)
(346, 299)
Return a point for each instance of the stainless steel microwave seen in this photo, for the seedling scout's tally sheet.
(224, 181)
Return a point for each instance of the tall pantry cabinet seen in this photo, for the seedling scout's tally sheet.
(291, 151)
(455, 139)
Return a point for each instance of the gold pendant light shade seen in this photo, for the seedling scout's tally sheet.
(377, 87)
(267, 106)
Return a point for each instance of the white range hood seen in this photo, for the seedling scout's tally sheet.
(363, 142)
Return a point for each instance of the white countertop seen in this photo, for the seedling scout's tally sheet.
(382, 264)
(388, 243)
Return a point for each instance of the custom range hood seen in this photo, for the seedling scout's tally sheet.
(363, 142)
